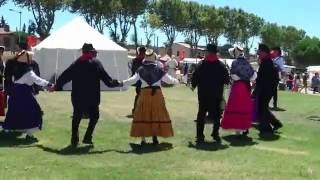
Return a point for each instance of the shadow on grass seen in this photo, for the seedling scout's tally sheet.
(147, 148)
(269, 136)
(70, 150)
(277, 109)
(208, 146)
(239, 140)
(314, 118)
(13, 140)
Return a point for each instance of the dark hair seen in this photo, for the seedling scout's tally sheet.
(277, 48)
(142, 49)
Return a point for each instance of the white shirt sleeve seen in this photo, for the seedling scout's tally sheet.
(131, 80)
(169, 80)
(37, 80)
(235, 77)
(253, 77)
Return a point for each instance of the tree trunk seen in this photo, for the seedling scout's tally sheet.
(135, 36)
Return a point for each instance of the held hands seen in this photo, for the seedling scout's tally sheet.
(51, 88)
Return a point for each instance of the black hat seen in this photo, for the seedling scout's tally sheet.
(87, 48)
(2, 48)
(212, 48)
(142, 49)
(264, 48)
(23, 46)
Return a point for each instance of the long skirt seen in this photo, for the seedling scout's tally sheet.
(238, 114)
(151, 117)
(24, 112)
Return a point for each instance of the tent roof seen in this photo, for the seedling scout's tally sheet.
(313, 68)
(74, 34)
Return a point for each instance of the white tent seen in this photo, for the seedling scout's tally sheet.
(59, 50)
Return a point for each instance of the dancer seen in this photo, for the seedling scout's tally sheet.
(210, 77)
(238, 112)
(24, 113)
(266, 82)
(85, 74)
(151, 118)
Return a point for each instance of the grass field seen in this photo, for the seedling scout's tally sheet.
(293, 154)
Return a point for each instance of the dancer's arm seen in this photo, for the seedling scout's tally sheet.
(169, 80)
(132, 80)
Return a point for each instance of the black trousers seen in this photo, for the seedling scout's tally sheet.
(266, 118)
(275, 96)
(214, 112)
(78, 112)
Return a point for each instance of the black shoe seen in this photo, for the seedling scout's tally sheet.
(277, 126)
(199, 141)
(31, 139)
(245, 133)
(87, 141)
(155, 140)
(143, 143)
(217, 138)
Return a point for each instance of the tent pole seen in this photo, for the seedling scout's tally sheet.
(56, 70)
(116, 65)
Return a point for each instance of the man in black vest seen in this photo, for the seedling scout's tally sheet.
(85, 74)
(210, 78)
(267, 80)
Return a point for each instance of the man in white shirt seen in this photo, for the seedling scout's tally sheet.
(279, 62)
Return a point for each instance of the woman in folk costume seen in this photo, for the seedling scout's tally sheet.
(151, 118)
(238, 114)
(24, 113)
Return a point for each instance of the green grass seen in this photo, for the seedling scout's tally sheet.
(294, 154)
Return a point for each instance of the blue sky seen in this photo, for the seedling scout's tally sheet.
(301, 14)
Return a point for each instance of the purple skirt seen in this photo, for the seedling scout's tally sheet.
(24, 112)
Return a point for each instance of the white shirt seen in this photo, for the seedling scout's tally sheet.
(172, 64)
(166, 78)
(30, 78)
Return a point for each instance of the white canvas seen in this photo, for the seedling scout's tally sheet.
(63, 47)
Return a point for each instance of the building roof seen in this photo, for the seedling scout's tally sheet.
(3, 32)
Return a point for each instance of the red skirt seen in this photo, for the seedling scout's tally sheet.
(238, 114)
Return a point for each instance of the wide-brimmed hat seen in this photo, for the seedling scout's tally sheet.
(212, 48)
(25, 56)
(263, 48)
(150, 55)
(236, 51)
(87, 47)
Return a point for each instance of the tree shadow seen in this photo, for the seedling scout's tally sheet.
(208, 146)
(239, 140)
(13, 139)
(314, 118)
(147, 148)
(71, 150)
(269, 136)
